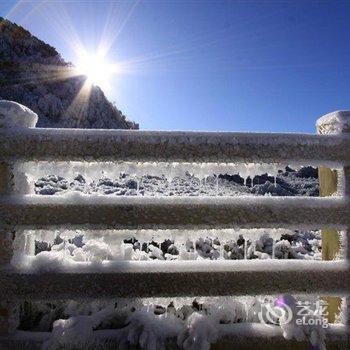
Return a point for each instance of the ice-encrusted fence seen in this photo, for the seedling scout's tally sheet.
(20, 141)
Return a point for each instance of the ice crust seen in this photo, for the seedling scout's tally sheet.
(334, 123)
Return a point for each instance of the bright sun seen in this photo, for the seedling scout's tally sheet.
(97, 70)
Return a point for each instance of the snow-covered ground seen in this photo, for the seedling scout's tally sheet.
(288, 182)
(66, 247)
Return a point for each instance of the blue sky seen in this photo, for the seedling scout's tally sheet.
(209, 65)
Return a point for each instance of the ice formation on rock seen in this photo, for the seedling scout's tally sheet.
(21, 116)
(334, 123)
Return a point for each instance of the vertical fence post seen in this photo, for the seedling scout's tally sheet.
(12, 115)
(332, 181)
(6, 187)
(345, 191)
(6, 239)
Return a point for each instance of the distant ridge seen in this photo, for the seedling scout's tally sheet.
(34, 74)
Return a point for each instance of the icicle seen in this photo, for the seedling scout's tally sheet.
(217, 184)
(273, 248)
(64, 249)
(137, 186)
(245, 249)
(275, 181)
(26, 243)
(221, 250)
(31, 244)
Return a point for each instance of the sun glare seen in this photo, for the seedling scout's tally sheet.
(96, 69)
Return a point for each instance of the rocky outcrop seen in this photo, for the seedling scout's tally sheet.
(35, 75)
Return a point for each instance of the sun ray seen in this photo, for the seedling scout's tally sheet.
(48, 74)
(56, 16)
(80, 104)
(110, 32)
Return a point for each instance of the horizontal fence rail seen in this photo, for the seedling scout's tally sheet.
(167, 212)
(193, 278)
(141, 146)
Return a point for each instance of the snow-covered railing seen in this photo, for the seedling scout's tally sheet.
(172, 212)
(156, 279)
(20, 141)
(172, 146)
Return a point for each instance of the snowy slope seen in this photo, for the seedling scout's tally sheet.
(35, 75)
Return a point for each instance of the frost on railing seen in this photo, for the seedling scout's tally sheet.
(83, 246)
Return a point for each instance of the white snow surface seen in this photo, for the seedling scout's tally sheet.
(153, 323)
(334, 123)
(15, 115)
